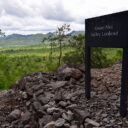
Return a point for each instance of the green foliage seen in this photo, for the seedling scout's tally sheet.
(17, 40)
(2, 34)
(73, 57)
(59, 36)
(99, 56)
(17, 62)
(12, 68)
(114, 55)
(51, 66)
(77, 55)
(118, 55)
(20, 60)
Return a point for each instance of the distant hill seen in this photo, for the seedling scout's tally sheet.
(76, 32)
(23, 40)
(19, 37)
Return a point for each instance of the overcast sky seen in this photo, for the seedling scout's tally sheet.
(42, 16)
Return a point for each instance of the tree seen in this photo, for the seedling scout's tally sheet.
(60, 35)
(76, 43)
(2, 34)
(99, 57)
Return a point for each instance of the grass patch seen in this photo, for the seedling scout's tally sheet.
(16, 62)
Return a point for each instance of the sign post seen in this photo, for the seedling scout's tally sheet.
(124, 83)
(109, 31)
(88, 72)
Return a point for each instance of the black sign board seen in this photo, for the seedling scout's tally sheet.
(108, 31)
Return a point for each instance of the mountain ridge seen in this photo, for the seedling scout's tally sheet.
(30, 39)
(15, 35)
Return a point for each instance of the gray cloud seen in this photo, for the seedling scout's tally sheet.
(32, 16)
(16, 8)
(11, 9)
(57, 12)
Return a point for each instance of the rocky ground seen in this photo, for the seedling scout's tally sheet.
(57, 100)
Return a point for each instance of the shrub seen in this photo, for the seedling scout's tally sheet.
(98, 57)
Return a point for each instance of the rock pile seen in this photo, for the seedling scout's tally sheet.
(57, 100)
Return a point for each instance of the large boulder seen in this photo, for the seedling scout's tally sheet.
(71, 72)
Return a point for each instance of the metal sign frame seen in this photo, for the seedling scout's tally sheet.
(109, 31)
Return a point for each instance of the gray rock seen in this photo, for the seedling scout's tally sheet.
(29, 92)
(73, 126)
(39, 109)
(39, 87)
(53, 109)
(27, 126)
(63, 103)
(45, 120)
(48, 95)
(66, 125)
(104, 115)
(68, 116)
(112, 121)
(50, 125)
(28, 103)
(68, 96)
(26, 117)
(43, 100)
(80, 114)
(105, 120)
(24, 95)
(37, 106)
(56, 115)
(14, 115)
(72, 72)
(91, 122)
(72, 106)
(60, 122)
(59, 84)
(39, 92)
(55, 96)
(61, 68)
(58, 96)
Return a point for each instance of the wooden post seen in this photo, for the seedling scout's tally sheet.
(124, 84)
(87, 72)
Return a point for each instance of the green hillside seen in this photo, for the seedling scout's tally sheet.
(18, 40)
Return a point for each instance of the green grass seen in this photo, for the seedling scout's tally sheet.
(18, 61)
(113, 54)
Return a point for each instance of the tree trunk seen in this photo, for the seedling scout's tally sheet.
(60, 53)
(51, 51)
